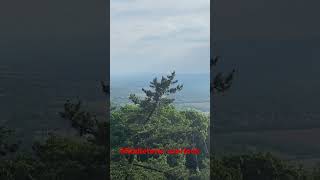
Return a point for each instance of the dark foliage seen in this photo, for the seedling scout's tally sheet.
(221, 82)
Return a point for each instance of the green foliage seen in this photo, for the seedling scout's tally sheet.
(262, 166)
(158, 95)
(71, 159)
(58, 158)
(19, 168)
(6, 145)
(150, 122)
(316, 172)
(218, 170)
(153, 122)
(169, 129)
(86, 123)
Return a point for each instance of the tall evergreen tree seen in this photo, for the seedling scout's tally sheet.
(158, 95)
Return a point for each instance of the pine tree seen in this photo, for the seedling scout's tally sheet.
(221, 82)
(158, 95)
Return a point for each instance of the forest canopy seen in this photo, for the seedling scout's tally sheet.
(148, 121)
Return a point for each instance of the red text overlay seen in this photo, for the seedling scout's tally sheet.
(127, 150)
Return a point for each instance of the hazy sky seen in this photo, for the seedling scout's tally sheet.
(160, 36)
(267, 19)
(53, 30)
(274, 45)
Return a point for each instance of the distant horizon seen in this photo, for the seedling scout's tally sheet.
(159, 73)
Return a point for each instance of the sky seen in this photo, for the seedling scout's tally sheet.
(50, 51)
(274, 45)
(51, 28)
(267, 19)
(54, 36)
(160, 36)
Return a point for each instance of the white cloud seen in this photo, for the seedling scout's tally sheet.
(147, 32)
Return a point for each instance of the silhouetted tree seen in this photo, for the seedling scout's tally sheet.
(105, 88)
(221, 82)
(158, 95)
